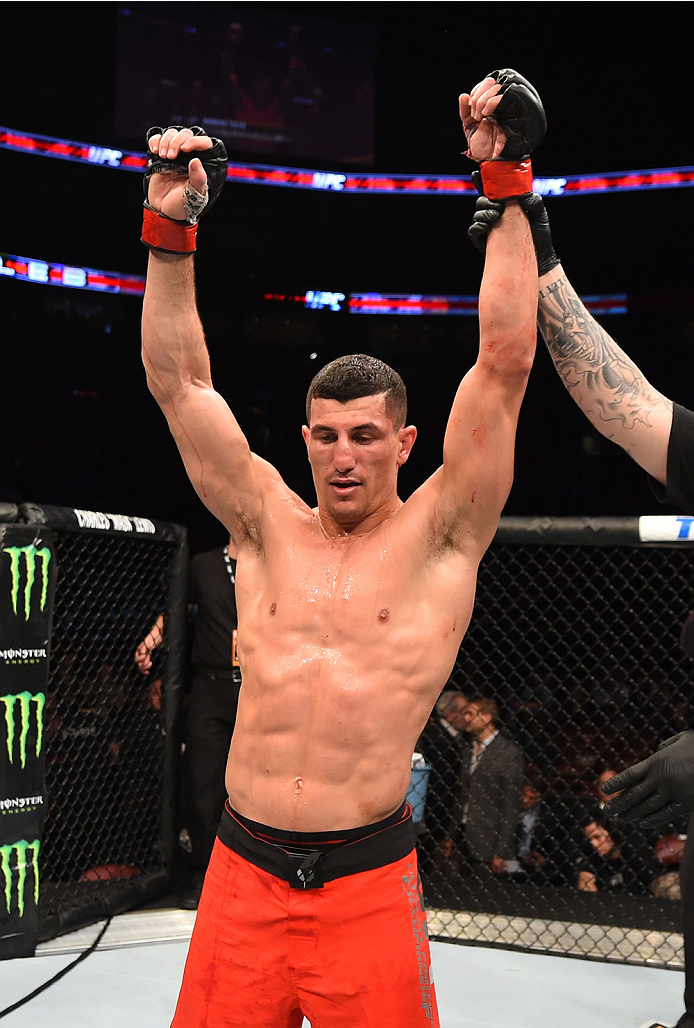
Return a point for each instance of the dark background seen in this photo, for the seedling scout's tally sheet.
(256, 76)
(78, 425)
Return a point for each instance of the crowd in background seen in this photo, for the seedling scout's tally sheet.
(489, 811)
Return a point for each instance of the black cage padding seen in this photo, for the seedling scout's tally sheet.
(111, 742)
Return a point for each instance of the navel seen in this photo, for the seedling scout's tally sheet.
(273, 609)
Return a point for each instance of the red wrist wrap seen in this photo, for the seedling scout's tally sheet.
(503, 179)
(162, 233)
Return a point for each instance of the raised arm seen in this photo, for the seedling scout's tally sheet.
(601, 378)
(480, 437)
(229, 479)
(604, 382)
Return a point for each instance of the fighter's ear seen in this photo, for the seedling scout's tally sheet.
(306, 432)
(406, 437)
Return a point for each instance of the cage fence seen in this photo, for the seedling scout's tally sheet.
(574, 656)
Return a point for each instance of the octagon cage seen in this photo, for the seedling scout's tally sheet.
(578, 655)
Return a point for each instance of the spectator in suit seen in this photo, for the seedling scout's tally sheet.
(441, 745)
(491, 787)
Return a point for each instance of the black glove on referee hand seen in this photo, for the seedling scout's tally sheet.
(488, 212)
(659, 788)
(534, 207)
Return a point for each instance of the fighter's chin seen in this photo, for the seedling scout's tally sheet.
(345, 510)
(345, 513)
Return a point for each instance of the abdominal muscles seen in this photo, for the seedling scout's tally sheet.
(328, 720)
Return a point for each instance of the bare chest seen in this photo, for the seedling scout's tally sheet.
(354, 590)
(337, 584)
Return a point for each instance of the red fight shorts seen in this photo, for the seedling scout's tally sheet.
(347, 950)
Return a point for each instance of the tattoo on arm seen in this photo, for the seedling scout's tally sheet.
(605, 383)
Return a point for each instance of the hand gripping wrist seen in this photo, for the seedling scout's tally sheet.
(159, 232)
(487, 215)
(503, 179)
(534, 207)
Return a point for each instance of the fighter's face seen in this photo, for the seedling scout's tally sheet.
(355, 452)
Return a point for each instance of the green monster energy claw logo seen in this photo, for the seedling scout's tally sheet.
(21, 848)
(31, 555)
(24, 699)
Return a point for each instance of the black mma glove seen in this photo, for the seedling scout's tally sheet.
(171, 235)
(520, 114)
(522, 117)
(658, 788)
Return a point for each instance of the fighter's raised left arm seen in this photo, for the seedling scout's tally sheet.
(503, 120)
(479, 443)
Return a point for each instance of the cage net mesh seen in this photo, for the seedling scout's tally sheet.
(579, 648)
(104, 723)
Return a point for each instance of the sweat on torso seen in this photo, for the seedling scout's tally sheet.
(345, 644)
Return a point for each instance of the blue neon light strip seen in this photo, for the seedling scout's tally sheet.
(407, 303)
(402, 303)
(350, 182)
(32, 269)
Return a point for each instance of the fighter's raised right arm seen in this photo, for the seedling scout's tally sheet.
(229, 479)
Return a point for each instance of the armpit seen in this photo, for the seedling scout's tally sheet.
(446, 533)
(250, 531)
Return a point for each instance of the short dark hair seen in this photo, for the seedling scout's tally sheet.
(356, 375)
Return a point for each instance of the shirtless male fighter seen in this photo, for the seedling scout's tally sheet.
(350, 616)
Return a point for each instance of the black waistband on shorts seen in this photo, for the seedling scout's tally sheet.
(309, 859)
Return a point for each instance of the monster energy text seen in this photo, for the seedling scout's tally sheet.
(23, 655)
(19, 864)
(25, 700)
(31, 555)
(20, 804)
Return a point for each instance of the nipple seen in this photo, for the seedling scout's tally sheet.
(384, 614)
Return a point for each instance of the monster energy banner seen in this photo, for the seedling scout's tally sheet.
(27, 578)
